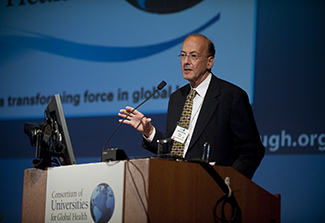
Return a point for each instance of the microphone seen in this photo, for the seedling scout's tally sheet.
(159, 87)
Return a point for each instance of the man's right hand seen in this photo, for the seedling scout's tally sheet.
(137, 120)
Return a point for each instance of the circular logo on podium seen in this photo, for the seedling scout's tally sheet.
(102, 203)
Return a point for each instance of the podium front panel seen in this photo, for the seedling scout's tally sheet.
(153, 190)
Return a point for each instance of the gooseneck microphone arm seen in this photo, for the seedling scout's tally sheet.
(159, 87)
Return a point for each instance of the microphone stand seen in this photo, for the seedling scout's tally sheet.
(159, 87)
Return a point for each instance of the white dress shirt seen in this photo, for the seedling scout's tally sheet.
(197, 104)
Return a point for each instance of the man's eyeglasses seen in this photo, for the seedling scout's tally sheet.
(192, 56)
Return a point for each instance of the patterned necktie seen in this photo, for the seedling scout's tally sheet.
(178, 148)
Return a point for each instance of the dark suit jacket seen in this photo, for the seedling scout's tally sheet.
(225, 121)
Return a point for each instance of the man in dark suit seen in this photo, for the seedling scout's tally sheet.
(221, 114)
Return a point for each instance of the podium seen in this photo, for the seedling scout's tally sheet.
(157, 190)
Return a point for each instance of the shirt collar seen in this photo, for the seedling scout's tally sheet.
(203, 87)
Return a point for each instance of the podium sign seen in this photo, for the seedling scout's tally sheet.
(89, 193)
(140, 190)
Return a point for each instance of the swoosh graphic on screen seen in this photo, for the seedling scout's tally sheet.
(91, 52)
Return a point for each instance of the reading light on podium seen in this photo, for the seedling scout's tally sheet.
(41, 141)
(32, 130)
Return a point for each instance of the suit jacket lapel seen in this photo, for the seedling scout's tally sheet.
(209, 106)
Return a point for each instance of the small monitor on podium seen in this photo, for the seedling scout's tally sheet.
(51, 138)
(63, 148)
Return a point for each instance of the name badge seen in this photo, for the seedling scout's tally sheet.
(180, 134)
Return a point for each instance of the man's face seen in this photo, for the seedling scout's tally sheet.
(195, 70)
